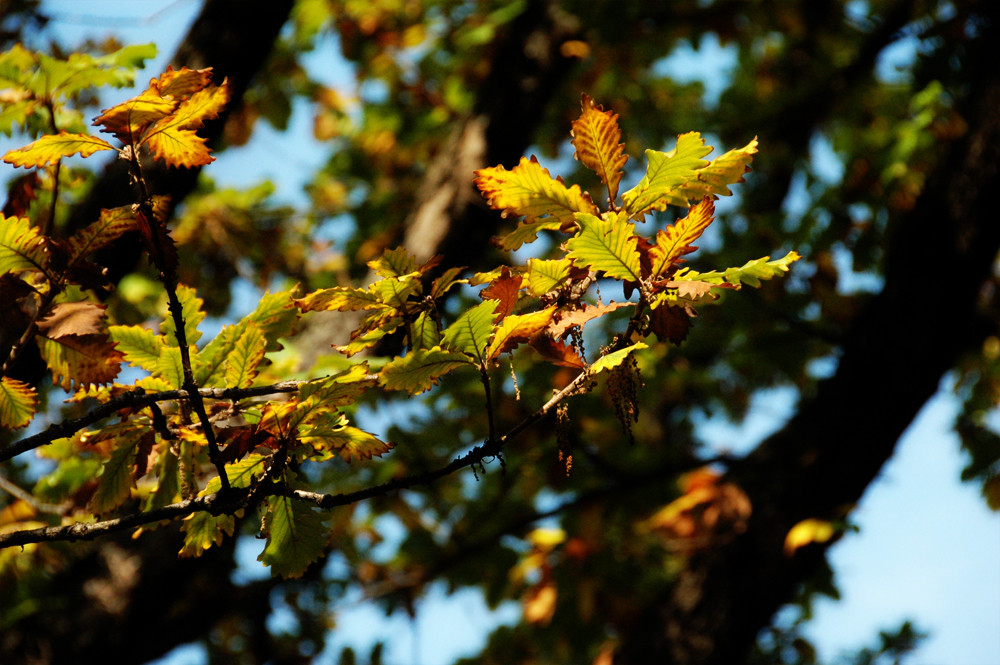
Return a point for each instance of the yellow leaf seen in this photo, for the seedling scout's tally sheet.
(50, 149)
(723, 171)
(666, 173)
(529, 191)
(808, 531)
(596, 137)
(178, 147)
(540, 604)
(518, 328)
(22, 247)
(182, 83)
(128, 120)
(18, 403)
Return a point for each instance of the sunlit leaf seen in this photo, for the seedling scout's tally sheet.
(608, 246)
(666, 173)
(332, 436)
(77, 361)
(596, 137)
(471, 331)
(127, 121)
(750, 273)
(616, 358)
(420, 369)
(22, 247)
(676, 240)
(723, 171)
(394, 263)
(424, 332)
(339, 298)
(116, 480)
(191, 312)
(808, 531)
(202, 530)
(578, 317)
(18, 403)
(243, 362)
(546, 275)
(53, 147)
(140, 346)
(518, 328)
(504, 289)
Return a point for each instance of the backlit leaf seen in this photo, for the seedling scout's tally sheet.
(202, 530)
(616, 358)
(78, 361)
(127, 121)
(448, 279)
(529, 191)
(295, 534)
(578, 317)
(181, 83)
(331, 435)
(666, 173)
(420, 369)
(676, 240)
(18, 403)
(22, 247)
(394, 263)
(608, 246)
(116, 480)
(518, 328)
(557, 353)
(527, 232)
(243, 362)
(471, 331)
(546, 275)
(596, 137)
(178, 147)
(140, 346)
(723, 171)
(191, 312)
(339, 298)
(424, 332)
(53, 147)
(808, 531)
(750, 273)
(504, 290)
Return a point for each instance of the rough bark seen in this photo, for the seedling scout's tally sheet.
(821, 462)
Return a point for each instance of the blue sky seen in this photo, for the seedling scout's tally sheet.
(928, 549)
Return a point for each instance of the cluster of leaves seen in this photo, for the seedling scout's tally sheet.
(195, 440)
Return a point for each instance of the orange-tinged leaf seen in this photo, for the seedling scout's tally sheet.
(182, 83)
(178, 147)
(540, 604)
(596, 137)
(203, 105)
(50, 149)
(110, 226)
(73, 318)
(127, 121)
(676, 240)
(558, 353)
(518, 328)
(18, 403)
(529, 191)
(78, 361)
(503, 289)
(578, 317)
(22, 247)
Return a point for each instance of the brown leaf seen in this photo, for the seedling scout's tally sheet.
(503, 289)
(73, 318)
(20, 193)
(578, 317)
(557, 353)
(670, 323)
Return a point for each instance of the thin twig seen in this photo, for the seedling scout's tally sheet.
(137, 398)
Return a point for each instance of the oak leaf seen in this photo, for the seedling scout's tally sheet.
(53, 147)
(596, 137)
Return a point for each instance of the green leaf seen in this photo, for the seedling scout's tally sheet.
(191, 312)
(243, 363)
(295, 534)
(331, 435)
(722, 172)
(116, 482)
(616, 358)
(608, 246)
(169, 367)
(18, 403)
(546, 275)
(240, 474)
(750, 273)
(339, 298)
(22, 247)
(141, 346)
(202, 530)
(394, 291)
(424, 332)
(168, 479)
(471, 331)
(420, 369)
(666, 173)
(394, 263)
(527, 232)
